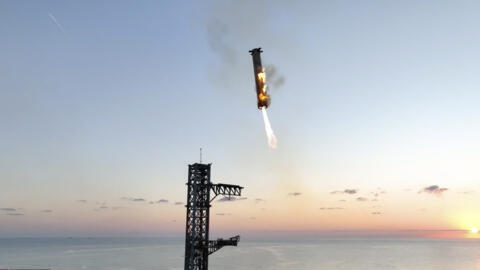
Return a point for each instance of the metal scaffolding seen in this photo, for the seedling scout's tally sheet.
(197, 243)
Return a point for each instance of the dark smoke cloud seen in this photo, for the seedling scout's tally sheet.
(230, 34)
(217, 35)
(436, 190)
(362, 199)
(273, 77)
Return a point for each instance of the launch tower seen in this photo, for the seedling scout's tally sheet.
(197, 244)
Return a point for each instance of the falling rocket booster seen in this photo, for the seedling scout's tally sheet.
(263, 99)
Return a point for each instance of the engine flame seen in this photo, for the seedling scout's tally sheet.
(272, 140)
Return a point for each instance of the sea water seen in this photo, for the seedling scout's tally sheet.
(303, 253)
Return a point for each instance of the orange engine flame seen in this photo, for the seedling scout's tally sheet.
(262, 76)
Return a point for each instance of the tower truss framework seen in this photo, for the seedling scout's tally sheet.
(197, 243)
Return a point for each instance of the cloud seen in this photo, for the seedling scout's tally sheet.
(82, 201)
(103, 207)
(46, 211)
(362, 199)
(231, 199)
(259, 200)
(342, 200)
(178, 203)
(468, 192)
(133, 199)
(295, 194)
(436, 190)
(159, 201)
(376, 213)
(330, 208)
(14, 214)
(345, 191)
(378, 192)
(116, 207)
(223, 214)
(8, 209)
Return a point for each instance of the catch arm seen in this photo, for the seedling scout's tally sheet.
(226, 190)
(219, 243)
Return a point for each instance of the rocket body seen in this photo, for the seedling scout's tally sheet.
(263, 99)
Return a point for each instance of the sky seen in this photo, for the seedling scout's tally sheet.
(103, 104)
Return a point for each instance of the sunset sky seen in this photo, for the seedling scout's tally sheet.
(104, 104)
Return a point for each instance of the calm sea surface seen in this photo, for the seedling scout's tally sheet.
(167, 253)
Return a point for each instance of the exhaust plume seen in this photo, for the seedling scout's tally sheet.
(272, 140)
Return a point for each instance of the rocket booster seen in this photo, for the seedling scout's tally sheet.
(263, 99)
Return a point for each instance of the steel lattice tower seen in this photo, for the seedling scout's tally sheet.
(197, 244)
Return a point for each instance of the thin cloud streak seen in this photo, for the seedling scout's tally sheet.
(231, 199)
(54, 20)
(133, 199)
(159, 201)
(345, 191)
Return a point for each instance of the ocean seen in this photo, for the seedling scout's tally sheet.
(295, 254)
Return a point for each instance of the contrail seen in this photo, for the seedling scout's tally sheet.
(272, 140)
(56, 22)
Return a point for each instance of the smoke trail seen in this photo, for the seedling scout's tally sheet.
(272, 140)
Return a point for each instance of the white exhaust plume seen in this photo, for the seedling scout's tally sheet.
(272, 140)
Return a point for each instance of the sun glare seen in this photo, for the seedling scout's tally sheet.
(474, 230)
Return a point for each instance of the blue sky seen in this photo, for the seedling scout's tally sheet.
(111, 99)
